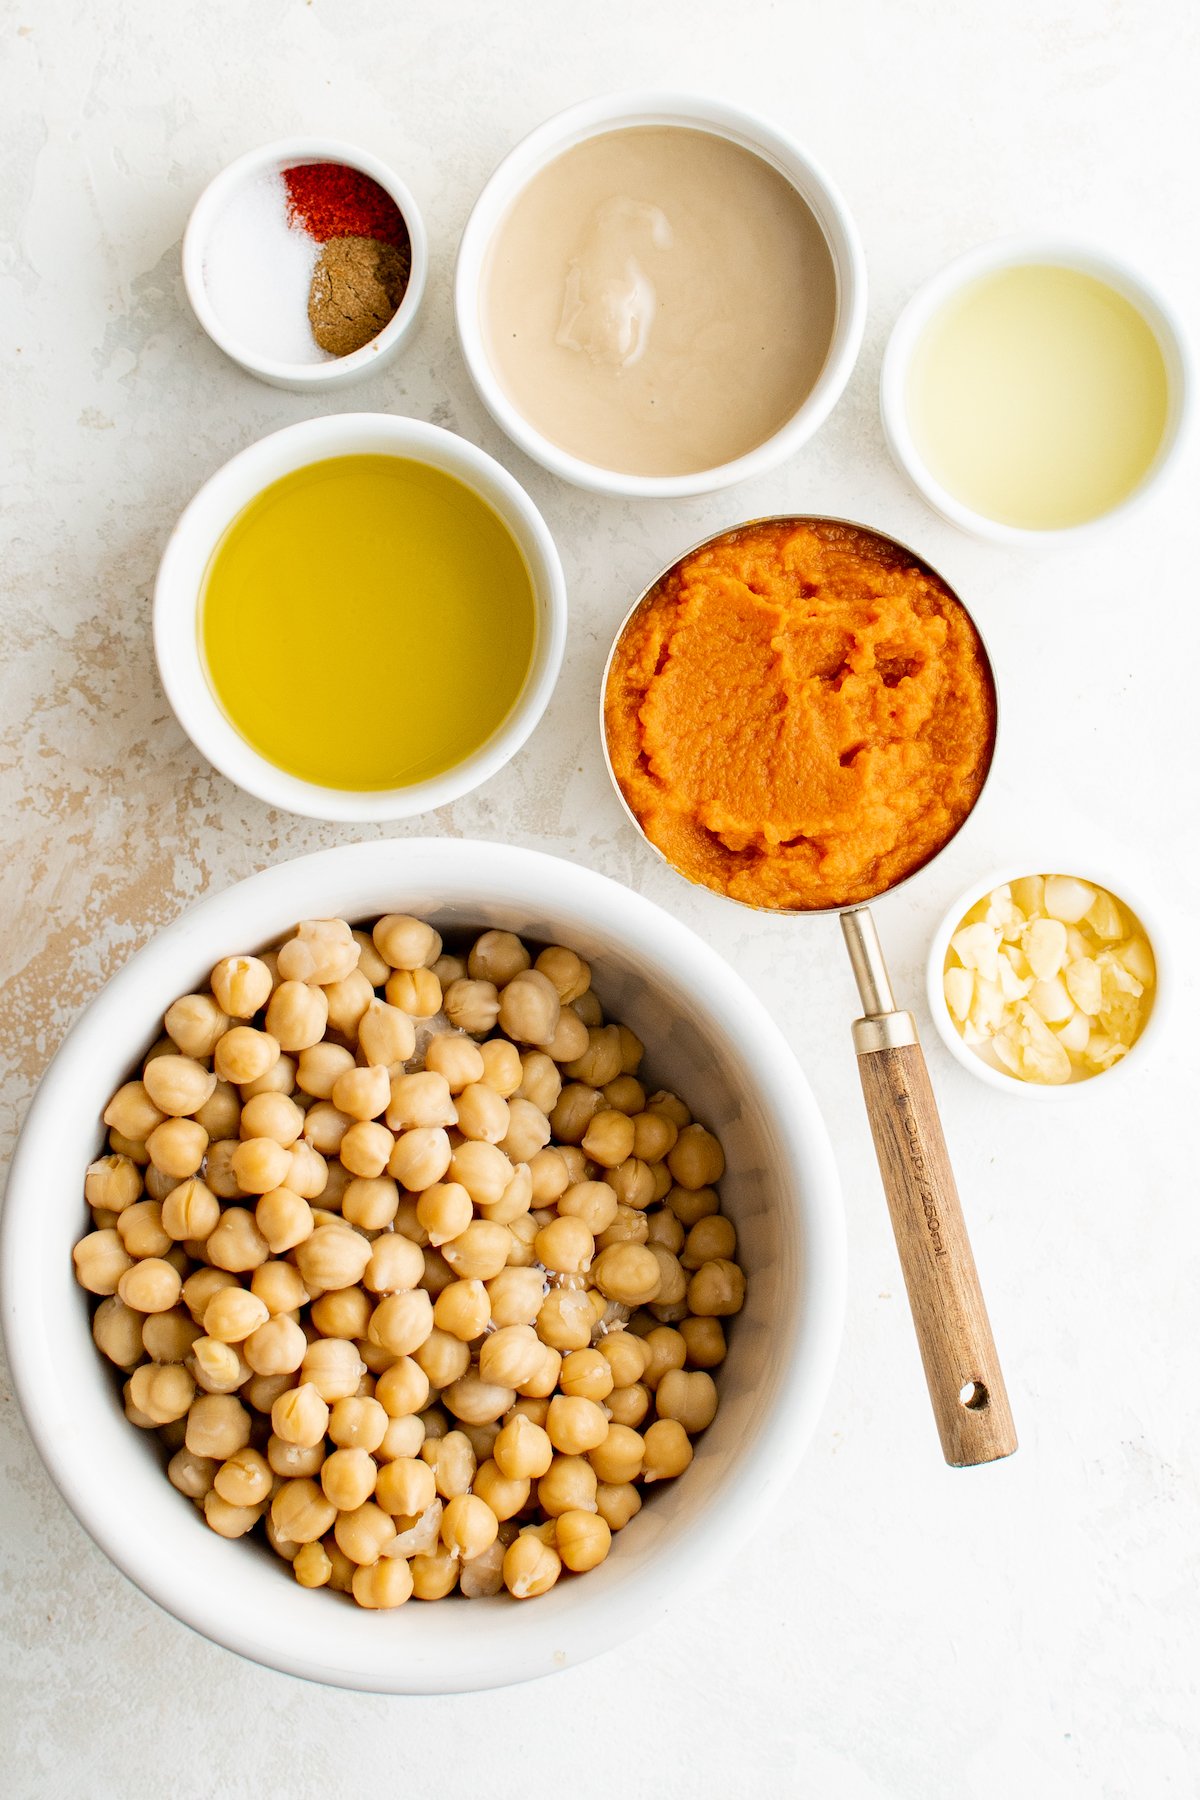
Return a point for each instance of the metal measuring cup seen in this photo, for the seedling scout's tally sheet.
(962, 1369)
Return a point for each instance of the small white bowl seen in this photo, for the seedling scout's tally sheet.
(1136, 902)
(611, 112)
(706, 1035)
(986, 259)
(288, 153)
(181, 576)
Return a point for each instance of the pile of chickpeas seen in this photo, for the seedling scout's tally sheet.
(400, 1259)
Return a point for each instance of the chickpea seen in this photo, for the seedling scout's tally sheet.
(585, 1374)
(417, 992)
(570, 1040)
(217, 1368)
(672, 1290)
(497, 956)
(530, 1567)
(479, 1252)
(347, 1001)
(191, 1211)
(218, 1426)
(469, 1526)
(218, 1169)
(243, 1054)
(192, 1475)
(711, 1238)
(608, 1139)
(443, 1358)
(348, 1479)
(300, 1511)
(232, 1314)
(662, 1227)
(404, 942)
(260, 1164)
(633, 1183)
(510, 1356)
(271, 1115)
(696, 1160)
(515, 1296)
(403, 1388)
(370, 1203)
(692, 1204)
(629, 1405)
(474, 1401)
(241, 986)
(654, 1136)
(569, 973)
(575, 1425)
(541, 1084)
(200, 1287)
(297, 1015)
(132, 1112)
(177, 1146)
(366, 1148)
(565, 1245)
(593, 1203)
(482, 1114)
(548, 1175)
(689, 1397)
(471, 1006)
(194, 1022)
(628, 1273)
(423, 1099)
(300, 1416)
(716, 1290)
(276, 1347)
(284, 1220)
(576, 1107)
(117, 1331)
(514, 1203)
(665, 1350)
(150, 1286)
(280, 1078)
(600, 1063)
(617, 1503)
(394, 1265)
(237, 1244)
(112, 1182)
(229, 1521)
(405, 1487)
(626, 1355)
(322, 953)
(362, 1093)
(162, 1391)
(334, 1256)
(444, 1211)
(134, 1148)
(334, 1367)
(564, 1320)
(382, 1585)
(178, 1085)
(582, 1539)
(435, 1574)
(501, 1066)
(403, 1437)
(311, 1565)
(462, 1309)
(568, 1484)
(101, 1261)
(529, 1008)
(453, 1463)
(244, 1479)
(401, 1322)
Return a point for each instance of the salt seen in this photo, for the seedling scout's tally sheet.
(258, 269)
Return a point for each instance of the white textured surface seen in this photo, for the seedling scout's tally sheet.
(1032, 1629)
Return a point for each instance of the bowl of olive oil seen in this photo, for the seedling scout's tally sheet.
(360, 618)
(1034, 390)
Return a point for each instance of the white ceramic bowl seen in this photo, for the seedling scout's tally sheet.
(612, 112)
(986, 259)
(1144, 910)
(287, 153)
(706, 1035)
(181, 574)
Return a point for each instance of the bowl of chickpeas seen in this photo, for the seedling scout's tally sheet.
(422, 1221)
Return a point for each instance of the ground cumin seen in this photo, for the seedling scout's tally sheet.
(357, 285)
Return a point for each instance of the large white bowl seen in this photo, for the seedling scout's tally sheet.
(611, 112)
(181, 578)
(706, 1035)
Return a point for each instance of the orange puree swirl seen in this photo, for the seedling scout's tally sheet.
(799, 715)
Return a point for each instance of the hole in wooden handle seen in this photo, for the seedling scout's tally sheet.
(973, 1395)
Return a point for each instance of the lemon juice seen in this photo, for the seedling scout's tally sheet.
(1038, 397)
(367, 622)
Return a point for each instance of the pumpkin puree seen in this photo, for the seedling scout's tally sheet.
(798, 715)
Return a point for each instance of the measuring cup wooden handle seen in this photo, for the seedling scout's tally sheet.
(961, 1366)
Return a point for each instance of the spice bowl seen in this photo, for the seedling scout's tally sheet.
(1145, 912)
(599, 290)
(183, 574)
(256, 312)
(704, 1031)
(1054, 357)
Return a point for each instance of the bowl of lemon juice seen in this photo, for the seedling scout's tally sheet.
(360, 618)
(1034, 390)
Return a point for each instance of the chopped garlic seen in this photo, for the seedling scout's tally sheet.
(1045, 944)
(1051, 976)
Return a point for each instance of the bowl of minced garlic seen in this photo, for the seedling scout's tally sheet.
(1040, 983)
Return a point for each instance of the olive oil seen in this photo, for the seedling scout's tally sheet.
(367, 622)
(1038, 397)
